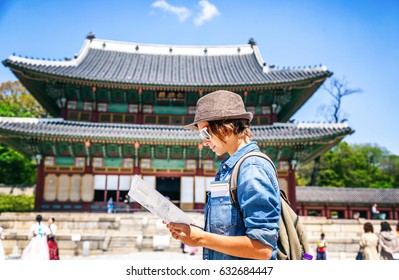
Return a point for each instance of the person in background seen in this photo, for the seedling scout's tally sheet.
(230, 233)
(37, 248)
(369, 243)
(126, 201)
(377, 215)
(321, 248)
(110, 205)
(52, 244)
(397, 228)
(389, 242)
(2, 255)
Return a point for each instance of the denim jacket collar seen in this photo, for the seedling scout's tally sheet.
(231, 161)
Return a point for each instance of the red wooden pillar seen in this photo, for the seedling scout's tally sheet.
(39, 191)
(140, 116)
(292, 187)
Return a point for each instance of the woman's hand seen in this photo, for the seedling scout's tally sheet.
(189, 235)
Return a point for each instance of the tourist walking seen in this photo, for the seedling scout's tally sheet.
(389, 242)
(230, 233)
(37, 248)
(321, 248)
(51, 242)
(369, 243)
(110, 205)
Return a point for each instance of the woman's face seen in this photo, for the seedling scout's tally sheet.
(215, 144)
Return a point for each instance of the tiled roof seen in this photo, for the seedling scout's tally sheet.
(84, 130)
(346, 195)
(131, 63)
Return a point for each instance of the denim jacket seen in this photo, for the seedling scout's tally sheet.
(259, 199)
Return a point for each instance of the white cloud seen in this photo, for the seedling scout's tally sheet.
(208, 11)
(182, 12)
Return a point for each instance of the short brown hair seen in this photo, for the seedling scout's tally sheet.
(368, 227)
(224, 128)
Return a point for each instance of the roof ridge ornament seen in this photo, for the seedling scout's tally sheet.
(252, 42)
(90, 36)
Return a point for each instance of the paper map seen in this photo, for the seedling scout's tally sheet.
(156, 203)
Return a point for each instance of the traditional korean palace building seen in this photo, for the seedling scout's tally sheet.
(119, 110)
(346, 203)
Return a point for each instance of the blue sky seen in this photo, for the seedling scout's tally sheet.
(358, 40)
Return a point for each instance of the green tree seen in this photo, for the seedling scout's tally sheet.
(356, 166)
(16, 169)
(16, 101)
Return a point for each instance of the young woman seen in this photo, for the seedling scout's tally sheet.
(51, 242)
(389, 242)
(229, 233)
(369, 243)
(37, 248)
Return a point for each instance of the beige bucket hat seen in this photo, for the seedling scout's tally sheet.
(219, 105)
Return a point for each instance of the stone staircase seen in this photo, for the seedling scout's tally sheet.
(124, 233)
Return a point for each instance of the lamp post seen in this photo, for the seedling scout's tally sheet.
(38, 159)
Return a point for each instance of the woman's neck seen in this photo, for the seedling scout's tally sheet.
(237, 143)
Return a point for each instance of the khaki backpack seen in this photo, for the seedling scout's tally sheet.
(292, 241)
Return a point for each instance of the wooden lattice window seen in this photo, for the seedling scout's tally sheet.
(117, 118)
(283, 165)
(105, 118)
(49, 161)
(87, 106)
(102, 107)
(130, 119)
(191, 164)
(127, 163)
(163, 119)
(98, 162)
(208, 164)
(72, 105)
(84, 117)
(80, 161)
(133, 108)
(145, 163)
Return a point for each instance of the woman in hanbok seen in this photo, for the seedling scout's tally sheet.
(37, 248)
(52, 244)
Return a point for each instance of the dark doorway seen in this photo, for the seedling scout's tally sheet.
(169, 187)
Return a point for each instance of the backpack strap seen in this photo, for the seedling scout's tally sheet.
(234, 175)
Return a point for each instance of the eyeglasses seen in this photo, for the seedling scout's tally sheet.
(203, 133)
